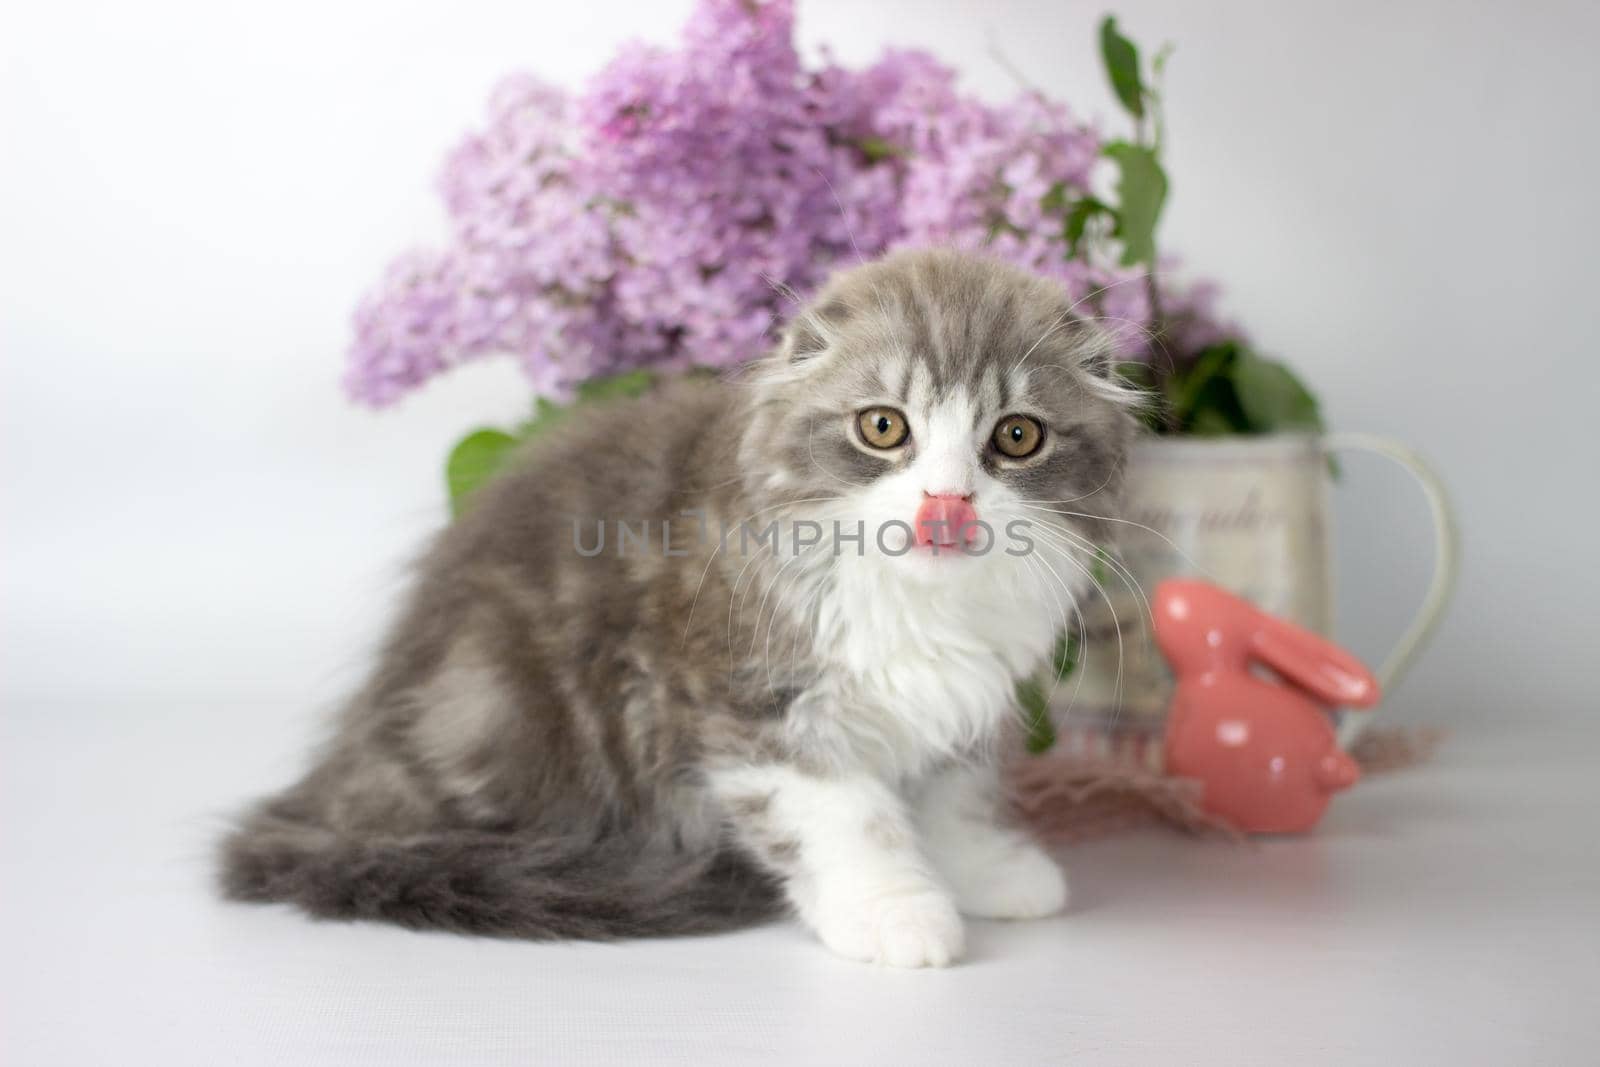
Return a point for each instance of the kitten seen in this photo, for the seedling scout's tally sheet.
(736, 646)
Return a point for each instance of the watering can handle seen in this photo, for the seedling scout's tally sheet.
(1446, 562)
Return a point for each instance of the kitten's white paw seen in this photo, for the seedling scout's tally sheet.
(916, 929)
(1022, 883)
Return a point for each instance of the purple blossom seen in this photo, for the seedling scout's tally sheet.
(661, 216)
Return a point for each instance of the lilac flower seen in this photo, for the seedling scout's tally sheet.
(661, 216)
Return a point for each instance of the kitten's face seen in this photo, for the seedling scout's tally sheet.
(937, 386)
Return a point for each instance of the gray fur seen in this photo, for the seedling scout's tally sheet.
(529, 757)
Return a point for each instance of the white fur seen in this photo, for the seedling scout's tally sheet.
(949, 444)
(861, 884)
(930, 648)
(925, 653)
(994, 871)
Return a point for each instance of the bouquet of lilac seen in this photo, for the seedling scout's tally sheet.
(666, 217)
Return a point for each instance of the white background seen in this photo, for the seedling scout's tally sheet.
(1398, 197)
(199, 538)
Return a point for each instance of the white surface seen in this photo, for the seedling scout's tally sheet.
(1399, 198)
(1449, 914)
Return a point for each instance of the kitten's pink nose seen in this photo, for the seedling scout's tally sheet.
(946, 519)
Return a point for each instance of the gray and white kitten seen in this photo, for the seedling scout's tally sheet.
(766, 691)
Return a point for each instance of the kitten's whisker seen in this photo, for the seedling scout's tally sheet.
(809, 622)
(1129, 522)
(797, 623)
(1066, 541)
(722, 542)
(1081, 496)
(1077, 613)
(733, 597)
(1069, 556)
(734, 594)
(794, 557)
(780, 543)
(1082, 647)
(782, 288)
(1060, 322)
(1061, 609)
(1066, 624)
(843, 218)
(1117, 566)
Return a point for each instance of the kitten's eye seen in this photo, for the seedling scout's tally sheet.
(1018, 436)
(882, 427)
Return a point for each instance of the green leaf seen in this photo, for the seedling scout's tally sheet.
(1184, 387)
(1138, 376)
(1141, 192)
(876, 149)
(473, 461)
(630, 384)
(1100, 569)
(477, 457)
(1041, 732)
(546, 413)
(1211, 422)
(1122, 67)
(1217, 410)
(1272, 397)
(1034, 699)
(1067, 654)
(1202, 398)
(1158, 62)
(1078, 218)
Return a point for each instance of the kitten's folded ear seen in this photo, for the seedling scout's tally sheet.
(813, 330)
(802, 340)
(1097, 352)
(1090, 341)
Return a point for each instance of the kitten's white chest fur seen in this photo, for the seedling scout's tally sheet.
(930, 667)
(920, 673)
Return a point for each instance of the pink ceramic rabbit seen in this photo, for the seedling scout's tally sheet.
(1264, 748)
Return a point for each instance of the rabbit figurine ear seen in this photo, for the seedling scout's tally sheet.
(1330, 673)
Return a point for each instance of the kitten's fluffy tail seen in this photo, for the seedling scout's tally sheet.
(494, 884)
